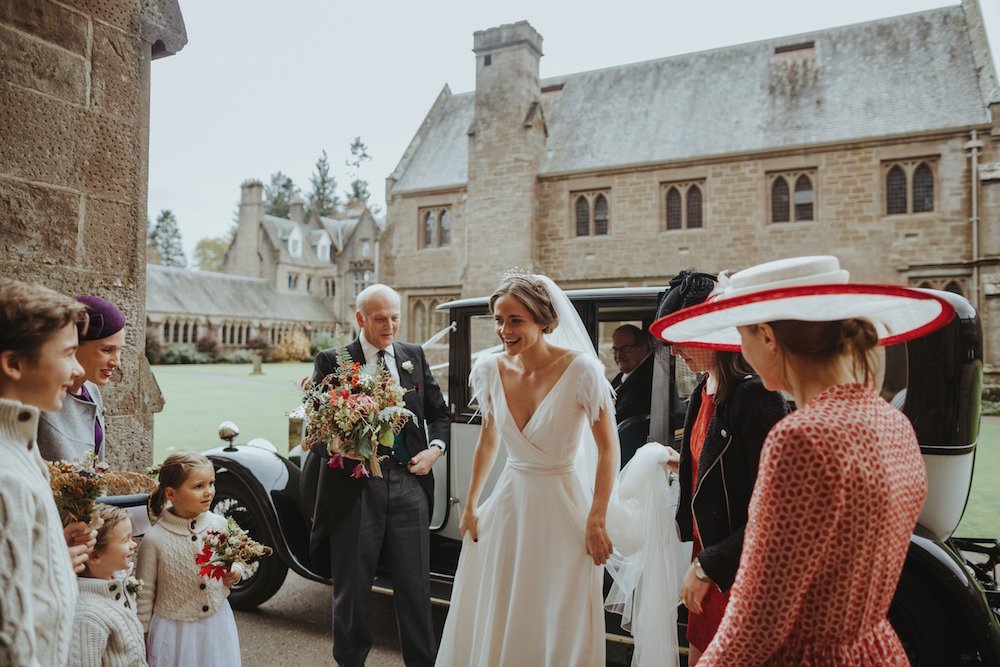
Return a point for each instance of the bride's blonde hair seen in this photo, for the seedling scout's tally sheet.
(531, 293)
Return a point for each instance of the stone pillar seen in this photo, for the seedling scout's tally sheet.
(74, 113)
(506, 146)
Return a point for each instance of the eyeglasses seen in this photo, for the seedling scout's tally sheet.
(622, 348)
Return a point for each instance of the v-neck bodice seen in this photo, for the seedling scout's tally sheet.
(549, 439)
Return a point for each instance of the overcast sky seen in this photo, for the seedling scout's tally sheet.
(264, 86)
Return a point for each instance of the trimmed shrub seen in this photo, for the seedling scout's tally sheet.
(321, 340)
(154, 348)
(237, 357)
(184, 354)
(209, 346)
(293, 347)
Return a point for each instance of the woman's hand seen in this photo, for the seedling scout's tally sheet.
(673, 462)
(469, 524)
(77, 533)
(78, 556)
(693, 590)
(598, 543)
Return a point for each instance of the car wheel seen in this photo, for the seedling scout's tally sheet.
(232, 499)
(925, 626)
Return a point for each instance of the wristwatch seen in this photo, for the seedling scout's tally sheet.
(699, 572)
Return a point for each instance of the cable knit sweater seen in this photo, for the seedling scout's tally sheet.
(166, 562)
(37, 584)
(106, 630)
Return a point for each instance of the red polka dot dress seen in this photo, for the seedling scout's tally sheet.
(839, 489)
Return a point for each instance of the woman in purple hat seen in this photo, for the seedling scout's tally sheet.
(78, 426)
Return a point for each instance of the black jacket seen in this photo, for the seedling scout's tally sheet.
(632, 397)
(327, 494)
(727, 471)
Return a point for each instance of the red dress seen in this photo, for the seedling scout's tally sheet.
(839, 489)
(702, 627)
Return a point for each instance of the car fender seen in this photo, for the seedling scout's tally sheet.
(272, 483)
(936, 565)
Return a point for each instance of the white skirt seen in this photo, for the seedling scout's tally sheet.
(209, 642)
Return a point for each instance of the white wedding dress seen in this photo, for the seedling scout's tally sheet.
(527, 593)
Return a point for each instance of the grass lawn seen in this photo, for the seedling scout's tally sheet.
(200, 397)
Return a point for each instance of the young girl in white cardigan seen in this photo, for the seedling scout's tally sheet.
(187, 617)
(106, 630)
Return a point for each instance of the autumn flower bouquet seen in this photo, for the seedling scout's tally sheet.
(76, 485)
(353, 411)
(232, 550)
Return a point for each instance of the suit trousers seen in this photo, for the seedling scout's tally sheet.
(391, 517)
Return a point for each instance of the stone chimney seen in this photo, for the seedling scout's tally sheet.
(297, 209)
(241, 258)
(506, 146)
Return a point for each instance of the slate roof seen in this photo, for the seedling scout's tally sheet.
(895, 76)
(279, 229)
(186, 292)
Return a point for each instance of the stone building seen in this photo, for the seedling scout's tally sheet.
(74, 117)
(184, 305)
(876, 142)
(329, 258)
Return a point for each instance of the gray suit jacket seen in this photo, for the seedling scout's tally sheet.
(69, 433)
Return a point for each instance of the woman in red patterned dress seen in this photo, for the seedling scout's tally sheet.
(840, 482)
(729, 415)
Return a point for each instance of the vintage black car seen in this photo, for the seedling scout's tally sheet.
(947, 604)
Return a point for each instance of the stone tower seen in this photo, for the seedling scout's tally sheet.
(506, 145)
(243, 256)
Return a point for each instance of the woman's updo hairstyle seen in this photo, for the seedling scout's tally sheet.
(532, 294)
(173, 473)
(825, 341)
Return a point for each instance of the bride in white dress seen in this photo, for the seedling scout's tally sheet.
(529, 580)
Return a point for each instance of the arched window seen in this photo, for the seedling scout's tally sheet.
(779, 200)
(420, 321)
(177, 331)
(694, 207)
(954, 288)
(430, 220)
(184, 338)
(194, 331)
(166, 332)
(923, 190)
(674, 209)
(895, 191)
(582, 216)
(239, 334)
(803, 198)
(601, 215)
(444, 228)
(925, 285)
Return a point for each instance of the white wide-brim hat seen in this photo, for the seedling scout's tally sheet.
(813, 289)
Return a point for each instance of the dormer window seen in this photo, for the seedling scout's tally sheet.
(323, 249)
(295, 243)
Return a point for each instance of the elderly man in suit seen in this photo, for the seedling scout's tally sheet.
(354, 520)
(633, 385)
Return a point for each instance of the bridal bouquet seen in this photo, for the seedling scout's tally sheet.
(354, 411)
(76, 485)
(232, 550)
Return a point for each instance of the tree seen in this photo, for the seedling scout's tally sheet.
(278, 194)
(209, 253)
(323, 199)
(358, 192)
(166, 238)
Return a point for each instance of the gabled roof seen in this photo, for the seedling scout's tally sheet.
(897, 76)
(339, 229)
(187, 292)
(278, 230)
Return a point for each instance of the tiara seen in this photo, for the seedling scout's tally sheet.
(517, 273)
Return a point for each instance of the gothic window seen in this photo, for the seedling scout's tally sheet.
(954, 288)
(779, 200)
(166, 332)
(184, 337)
(289, 281)
(694, 207)
(430, 218)
(923, 190)
(955, 284)
(582, 216)
(803, 198)
(909, 186)
(444, 227)
(420, 321)
(239, 335)
(194, 331)
(177, 329)
(358, 283)
(674, 212)
(591, 213)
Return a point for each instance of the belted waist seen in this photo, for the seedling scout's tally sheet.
(524, 466)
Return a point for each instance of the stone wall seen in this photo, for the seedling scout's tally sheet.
(74, 113)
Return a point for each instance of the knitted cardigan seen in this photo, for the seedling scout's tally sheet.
(37, 584)
(166, 563)
(106, 630)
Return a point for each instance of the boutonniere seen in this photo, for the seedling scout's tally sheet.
(132, 585)
(407, 366)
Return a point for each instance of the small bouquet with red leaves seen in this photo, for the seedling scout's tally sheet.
(76, 485)
(232, 550)
(353, 411)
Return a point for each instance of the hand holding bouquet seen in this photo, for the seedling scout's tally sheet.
(229, 551)
(353, 411)
(75, 487)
